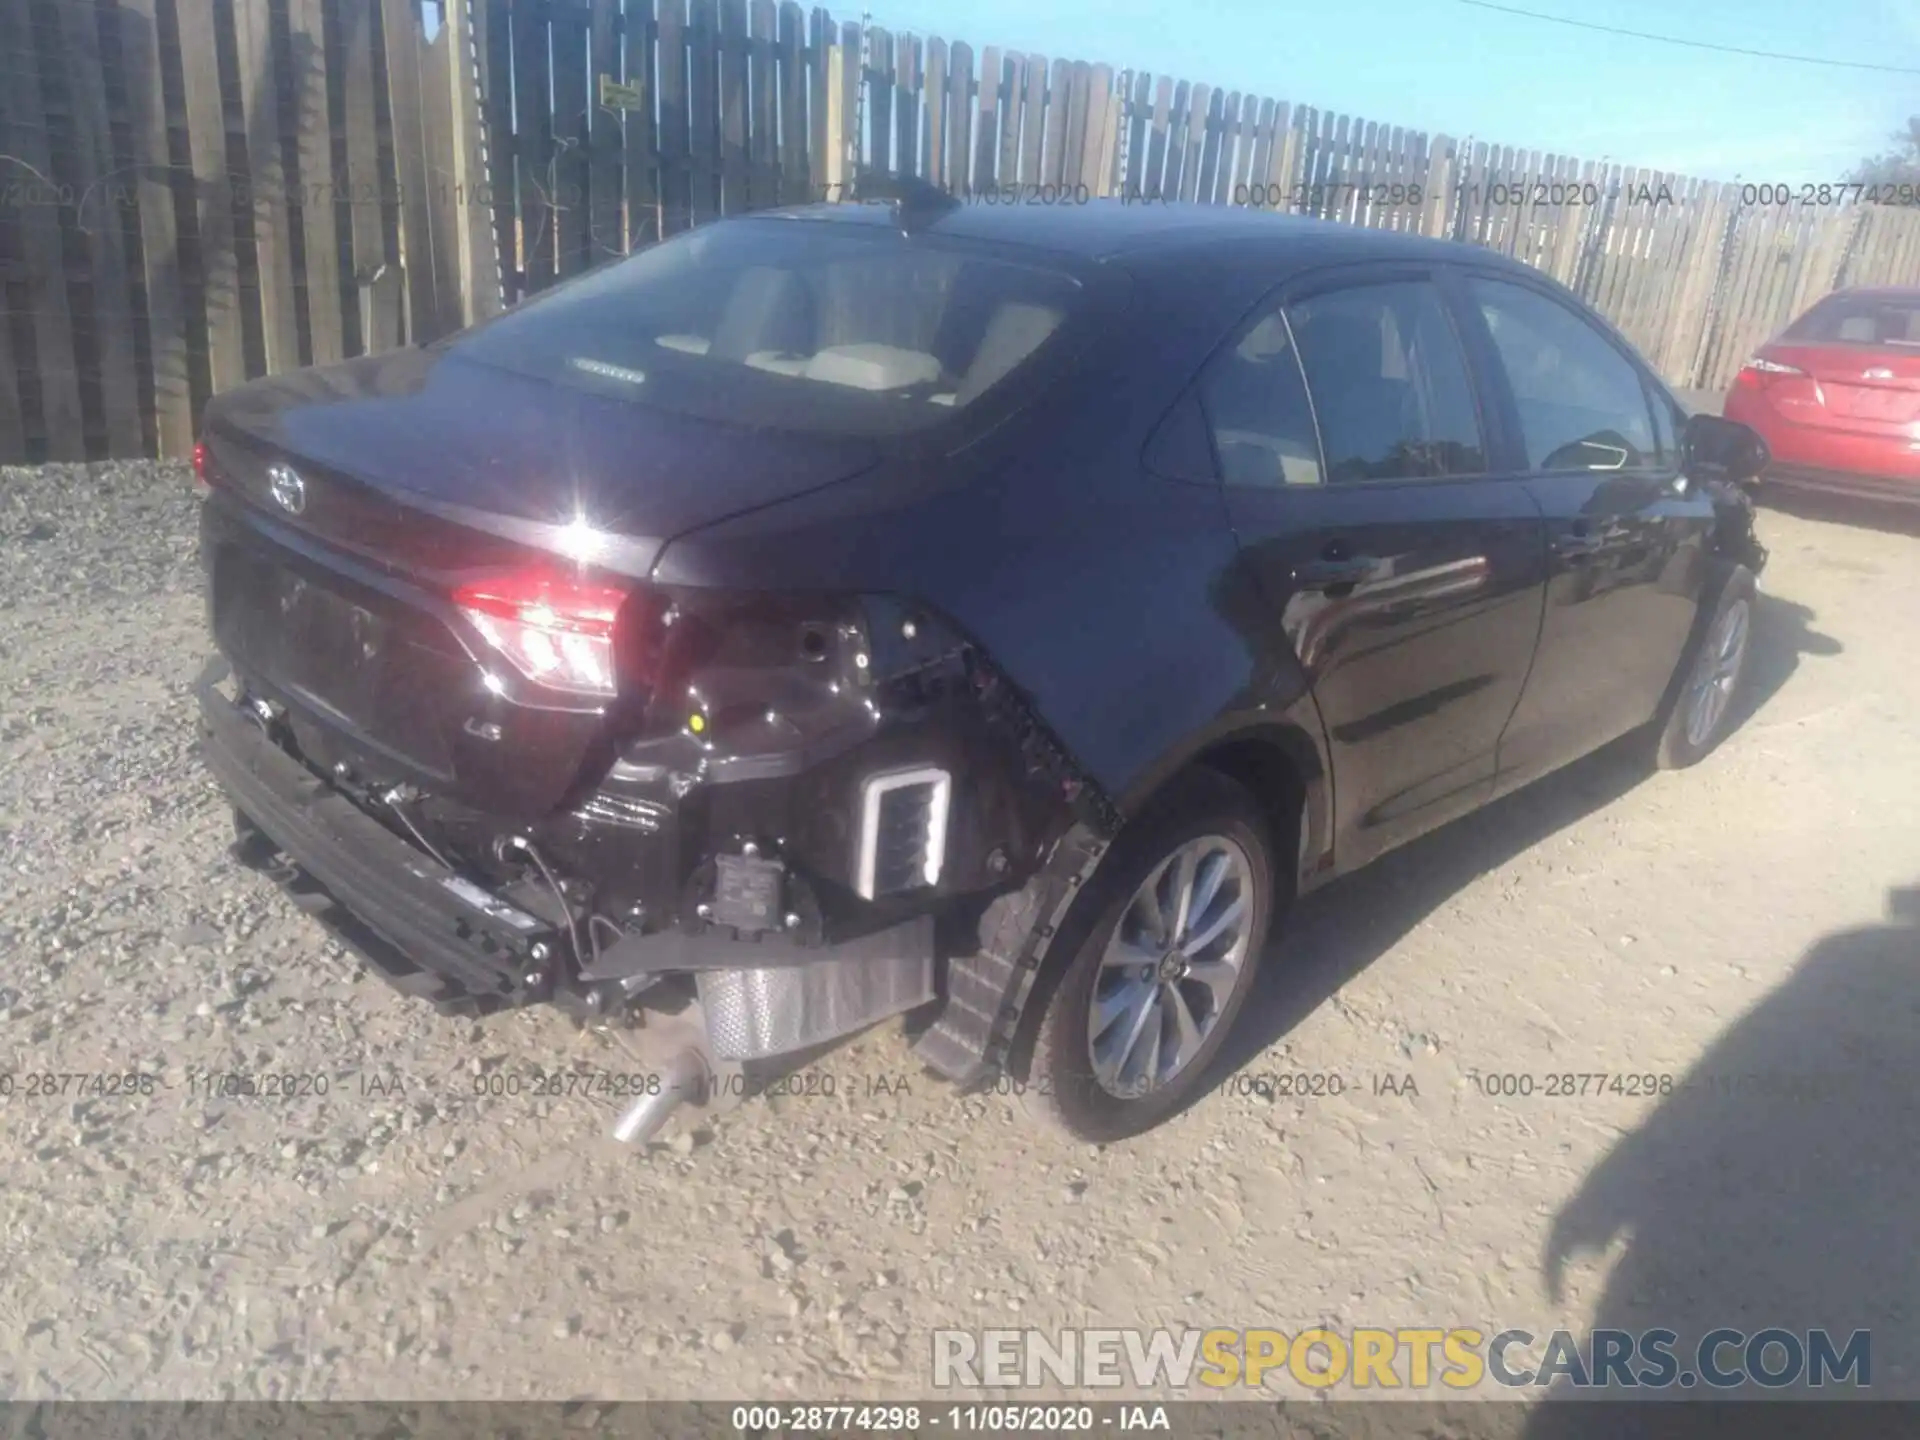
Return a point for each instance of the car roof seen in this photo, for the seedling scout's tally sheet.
(1107, 228)
(1878, 292)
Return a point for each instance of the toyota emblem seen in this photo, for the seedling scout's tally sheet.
(289, 491)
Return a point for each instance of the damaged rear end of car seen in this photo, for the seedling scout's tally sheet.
(468, 719)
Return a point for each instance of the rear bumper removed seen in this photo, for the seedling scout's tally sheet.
(450, 946)
(437, 935)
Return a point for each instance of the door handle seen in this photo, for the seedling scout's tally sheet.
(1336, 572)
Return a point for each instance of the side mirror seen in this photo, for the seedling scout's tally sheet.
(1715, 448)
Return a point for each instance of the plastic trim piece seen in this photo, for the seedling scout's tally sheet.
(875, 789)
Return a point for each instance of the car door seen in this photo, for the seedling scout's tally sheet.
(1627, 536)
(1407, 575)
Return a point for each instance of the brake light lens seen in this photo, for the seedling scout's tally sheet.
(201, 483)
(1759, 369)
(555, 630)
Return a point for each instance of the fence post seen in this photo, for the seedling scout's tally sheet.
(1823, 268)
(266, 179)
(478, 261)
(400, 32)
(159, 239)
(1843, 261)
(1436, 213)
(1096, 164)
(1703, 276)
(853, 79)
(834, 178)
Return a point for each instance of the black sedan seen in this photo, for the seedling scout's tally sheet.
(993, 616)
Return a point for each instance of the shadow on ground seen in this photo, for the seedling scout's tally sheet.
(1337, 932)
(1879, 515)
(1775, 1187)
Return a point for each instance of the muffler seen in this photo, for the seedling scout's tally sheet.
(672, 1046)
(741, 1016)
(777, 1010)
(684, 1077)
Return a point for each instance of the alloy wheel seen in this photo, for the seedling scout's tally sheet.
(1172, 966)
(1717, 672)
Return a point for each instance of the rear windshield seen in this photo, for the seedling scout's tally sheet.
(794, 325)
(1860, 320)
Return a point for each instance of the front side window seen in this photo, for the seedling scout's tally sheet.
(822, 328)
(1581, 403)
(1389, 383)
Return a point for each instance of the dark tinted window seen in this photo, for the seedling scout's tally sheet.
(1582, 405)
(827, 328)
(1860, 320)
(1389, 383)
(1257, 406)
(1666, 429)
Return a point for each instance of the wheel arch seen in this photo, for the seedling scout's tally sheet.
(1283, 763)
(1283, 767)
(1001, 982)
(1721, 570)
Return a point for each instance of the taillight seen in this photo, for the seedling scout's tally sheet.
(201, 483)
(1759, 370)
(555, 629)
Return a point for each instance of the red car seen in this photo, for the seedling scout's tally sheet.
(1837, 396)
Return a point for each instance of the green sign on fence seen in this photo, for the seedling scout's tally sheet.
(615, 96)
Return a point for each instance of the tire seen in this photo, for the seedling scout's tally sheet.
(1703, 706)
(1203, 815)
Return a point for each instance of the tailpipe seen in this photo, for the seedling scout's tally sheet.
(684, 1077)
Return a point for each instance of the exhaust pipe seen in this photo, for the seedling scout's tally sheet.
(684, 1077)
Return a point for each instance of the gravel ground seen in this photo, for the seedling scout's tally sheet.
(402, 1237)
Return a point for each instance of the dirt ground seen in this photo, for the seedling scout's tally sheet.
(1750, 929)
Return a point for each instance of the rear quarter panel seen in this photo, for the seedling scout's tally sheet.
(1112, 597)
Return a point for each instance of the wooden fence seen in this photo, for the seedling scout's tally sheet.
(196, 192)
(666, 113)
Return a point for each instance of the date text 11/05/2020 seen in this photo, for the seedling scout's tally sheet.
(1308, 197)
(592, 1083)
(1269, 1086)
(1373, 194)
(1578, 194)
(809, 1083)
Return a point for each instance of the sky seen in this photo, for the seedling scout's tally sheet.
(1445, 66)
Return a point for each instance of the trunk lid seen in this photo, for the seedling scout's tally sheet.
(412, 474)
(1867, 389)
(381, 676)
(1852, 364)
(521, 456)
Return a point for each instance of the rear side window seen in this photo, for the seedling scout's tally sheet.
(1389, 383)
(1582, 405)
(1256, 404)
(1860, 320)
(823, 328)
